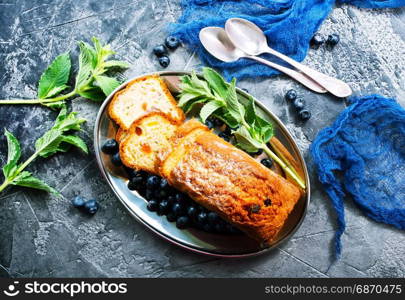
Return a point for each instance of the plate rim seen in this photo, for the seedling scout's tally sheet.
(96, 145)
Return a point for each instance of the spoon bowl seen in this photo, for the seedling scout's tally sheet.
(216, 41)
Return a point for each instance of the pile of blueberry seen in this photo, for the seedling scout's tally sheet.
(88, 206)
(318, 40)
(299, 105)
(162, 53)
(166, 200)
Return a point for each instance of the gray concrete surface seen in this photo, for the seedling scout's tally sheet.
(44, 236)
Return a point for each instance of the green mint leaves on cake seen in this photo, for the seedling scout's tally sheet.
(58, 139)
(93, 80)
(211, 95)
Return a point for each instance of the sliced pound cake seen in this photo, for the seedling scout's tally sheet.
(140, 97)
(146, 137)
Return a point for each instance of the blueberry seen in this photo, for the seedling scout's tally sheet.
(110, 147)
(78, 201)
(333, 39)
(172, 42)
(153, 205)
(258, 152)
(131, 172)
(135, 182)
(171, 217)
(267, 162)
(218, 122)
(291, 95)
(180, 198)
(192, 212)
(164, 61)
(220, 227)
(182, 222)
(212, 217)
(178, 209)
(317, 40)
(91, 206)
(161, 194)
(224, 136)
(116, 159)
(164, 185)
(160, 50)
(208, 227)
(164, 207)
(202, 217)
(149, 195)
(152, 182)
(209, 124)
(299, 103)
(304, 114)
(171, 199)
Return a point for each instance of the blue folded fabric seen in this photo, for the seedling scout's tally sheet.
(363, 154)
(288, 24)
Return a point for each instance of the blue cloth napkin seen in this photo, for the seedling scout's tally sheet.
(288, 24)
(363, 154)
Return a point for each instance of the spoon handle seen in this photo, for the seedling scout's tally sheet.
(300, 77)
(333, 85)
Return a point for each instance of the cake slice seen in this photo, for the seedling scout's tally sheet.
(146, 137)
(140, 97)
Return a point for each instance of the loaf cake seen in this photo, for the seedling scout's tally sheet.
(230, 182)
(140, 97)
(147, 137)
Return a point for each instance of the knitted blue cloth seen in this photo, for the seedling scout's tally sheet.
(288, 24)
(363, 154)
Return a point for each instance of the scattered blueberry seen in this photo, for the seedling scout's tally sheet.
(267, 162)
(291, 95)
(224, 136)
(110, 147)
(78, 201)
(178, 209)
(164, 207)
(180, 197)
(210, 124)
(172, 42)
(164, 185)
(182, 222)
(153, 205)
(171, 199)
(202, 217)
(192, 212)
(164, 61)
(149, 194)
(152, 182)
(171, 217)
(299, 103)
(304, 114)
(333, 39)
(317, 40)
(160, 50)
(134, 183)
(213, 217)
(91, 206)
(218, 122)
(116, 159)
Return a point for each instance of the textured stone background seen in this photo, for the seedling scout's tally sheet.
(44, 236)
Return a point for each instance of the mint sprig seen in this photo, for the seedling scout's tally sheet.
(57, 139)
(219, 98)
(92, 80)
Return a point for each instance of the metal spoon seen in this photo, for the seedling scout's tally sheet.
(248, 37)
(216, 42)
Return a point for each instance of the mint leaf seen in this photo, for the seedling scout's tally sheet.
(208, 109)
(216, 82)
(75, 141)
(235, 108)
(107, 84)
(116, 64)
(93, 93)
(87, 63)
(26, 179)
(14, 154)
(245, 140)
(55, 77)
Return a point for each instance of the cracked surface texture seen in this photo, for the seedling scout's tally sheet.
(45, 236)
